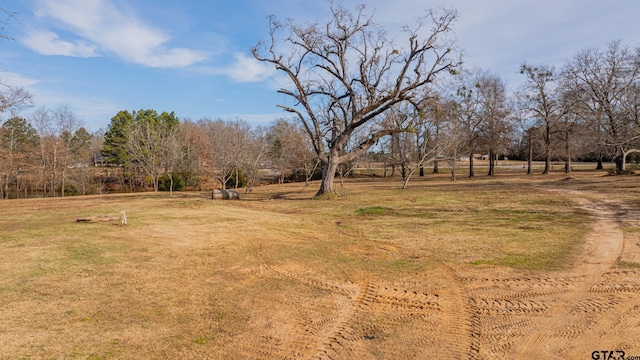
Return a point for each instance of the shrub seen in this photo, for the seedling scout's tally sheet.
(299, 175)
(69, 190)
(242, 179)
(164, 183)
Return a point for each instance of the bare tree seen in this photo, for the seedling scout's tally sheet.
(13, 99)
(153, 144)
(607, 84)
(526, 134)
(541, 98)
(55, 128)
(225, 144)
(455, 137)
(171, 153)
(255, 152)
(192, 145)
(494, 112)
(18, 141)
(283, 140)
(143, 143)
(401, 146)
(414, 149)
(5, 17)
(78, 146)
(346, 73)
(289, 150)
(465, 95)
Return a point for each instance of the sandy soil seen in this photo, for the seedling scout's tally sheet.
(449, 313)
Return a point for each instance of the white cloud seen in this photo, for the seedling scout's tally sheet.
(15, 79)
(48, 43)
(248, 69)
(105, 28)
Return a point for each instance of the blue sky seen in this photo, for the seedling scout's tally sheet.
(193, 57)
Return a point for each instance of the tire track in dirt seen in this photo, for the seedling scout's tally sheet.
(604, 244)
(357, 314)
(467, 313)
(546, 317)
(460, 325)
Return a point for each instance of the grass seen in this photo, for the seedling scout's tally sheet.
(372, 210)
(181, 280)
(629, 265)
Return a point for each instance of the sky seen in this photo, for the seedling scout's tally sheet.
(98, 57)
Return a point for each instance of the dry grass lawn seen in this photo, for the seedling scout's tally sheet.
(379, 273)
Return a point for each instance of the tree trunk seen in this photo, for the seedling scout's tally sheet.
(530, 157)
(309, 172)
(436, 170)
(453, 170)
(547, 150)
(620, 161)
(619, 165)
(406, 180)
(421, 170)
(64, 177)
(547, 161)
(567, 149)
(491, 163)
(236, 184)
(328, 175)
(53, 183)
(471, 171)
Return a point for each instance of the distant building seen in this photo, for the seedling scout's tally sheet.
(97, 159)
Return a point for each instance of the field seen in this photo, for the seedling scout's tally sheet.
(514, 267)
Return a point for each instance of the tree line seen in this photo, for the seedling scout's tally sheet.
(356, 98)
(351, 87)
(144, 149)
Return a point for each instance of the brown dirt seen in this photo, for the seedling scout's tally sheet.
(472, 313)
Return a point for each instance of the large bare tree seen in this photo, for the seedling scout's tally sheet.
(347, 73)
